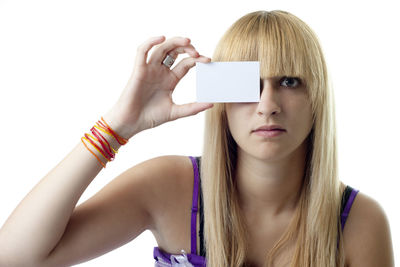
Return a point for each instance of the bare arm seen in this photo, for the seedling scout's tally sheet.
(46, 229)
(38, 222)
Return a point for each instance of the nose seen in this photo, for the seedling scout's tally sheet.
(269, 100)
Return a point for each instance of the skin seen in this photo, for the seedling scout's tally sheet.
(270, 170)
(47, 228)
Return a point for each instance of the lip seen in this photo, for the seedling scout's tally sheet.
(269, 133)
(269, 128)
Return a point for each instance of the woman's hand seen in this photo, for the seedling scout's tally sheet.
(146, 101)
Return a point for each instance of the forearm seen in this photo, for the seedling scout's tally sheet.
(38, 223)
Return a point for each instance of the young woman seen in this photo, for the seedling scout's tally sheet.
(265, 192)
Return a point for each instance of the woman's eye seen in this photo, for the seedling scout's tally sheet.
(290, 82)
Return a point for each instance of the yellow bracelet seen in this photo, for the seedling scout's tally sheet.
(101, 152)
(102, 164)
(106, 132)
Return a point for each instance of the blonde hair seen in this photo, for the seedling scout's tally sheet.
(285, 46)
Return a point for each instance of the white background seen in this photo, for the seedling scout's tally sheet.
(64, 63)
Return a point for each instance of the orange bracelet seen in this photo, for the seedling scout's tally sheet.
(105, 150)
(100, 128)
(122, 141)
(103, 142)
(91, 139)
(102, 164)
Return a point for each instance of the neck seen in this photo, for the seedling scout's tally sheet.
(267, 187)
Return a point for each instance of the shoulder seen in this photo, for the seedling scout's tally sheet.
(163, 172)
(171, 171)
(168, 181)
(366, 234)
(168, 200)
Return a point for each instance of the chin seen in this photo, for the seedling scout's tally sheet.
(265, 153)
(268, 157)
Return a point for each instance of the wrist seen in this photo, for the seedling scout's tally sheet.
(118, 127)
(103, 142)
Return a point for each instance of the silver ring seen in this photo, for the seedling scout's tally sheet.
(168, 61)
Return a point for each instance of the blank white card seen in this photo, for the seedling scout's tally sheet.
(235, 81)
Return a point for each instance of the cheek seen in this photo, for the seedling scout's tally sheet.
(237, 121)
(233, 121)
(302, 116)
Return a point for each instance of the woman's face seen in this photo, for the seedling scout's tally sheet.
(283, 102)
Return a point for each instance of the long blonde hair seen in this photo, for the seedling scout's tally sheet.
(285, 46)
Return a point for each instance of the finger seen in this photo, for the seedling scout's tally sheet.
(159, 54)
(186, 64)
(180, 50)
(190, 50)
(180, 111)
(143, 49)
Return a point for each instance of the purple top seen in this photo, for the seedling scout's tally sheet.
(348, 197)
(164, 259)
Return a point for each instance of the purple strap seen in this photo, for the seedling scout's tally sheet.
(196, 260)
(347, 208)
(194, 206)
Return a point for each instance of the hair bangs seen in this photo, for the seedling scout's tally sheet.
(280, 44)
